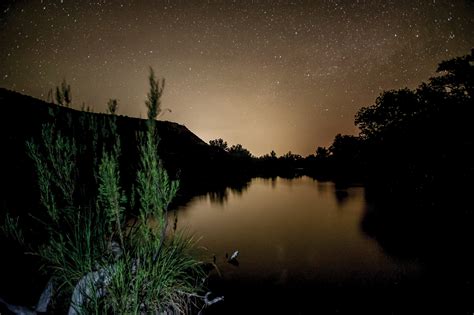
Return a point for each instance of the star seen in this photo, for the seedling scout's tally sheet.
(221, 59)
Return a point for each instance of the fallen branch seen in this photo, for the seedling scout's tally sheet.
(93, 284)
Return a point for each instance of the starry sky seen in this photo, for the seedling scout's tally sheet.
(271, 75)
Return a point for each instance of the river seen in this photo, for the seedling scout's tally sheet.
(302, 249)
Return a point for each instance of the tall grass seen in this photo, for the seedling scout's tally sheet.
(98, 262)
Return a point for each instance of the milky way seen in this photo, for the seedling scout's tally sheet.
(271, 75)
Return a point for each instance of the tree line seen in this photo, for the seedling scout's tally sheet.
(414, 141)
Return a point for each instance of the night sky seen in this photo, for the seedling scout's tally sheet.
(271, 75)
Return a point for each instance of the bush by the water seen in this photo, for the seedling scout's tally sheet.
(106, 245)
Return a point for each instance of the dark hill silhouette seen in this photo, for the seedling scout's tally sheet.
(183, 153)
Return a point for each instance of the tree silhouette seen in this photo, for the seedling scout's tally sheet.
(322, 153)
(220, 143)
(344, 145)
(391, 109)
(401, 110)
(289, 156)
(239, 151)
(458, 75)
(417, 141)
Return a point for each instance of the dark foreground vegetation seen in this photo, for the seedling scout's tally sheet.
(100, 230)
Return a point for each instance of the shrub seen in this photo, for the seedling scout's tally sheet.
(100, 258)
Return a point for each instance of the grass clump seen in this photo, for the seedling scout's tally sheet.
(102, 258)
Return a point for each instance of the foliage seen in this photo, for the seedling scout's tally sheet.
(89, 227)
(322, 153)
(11, 228)
(55, 167)
(402, 109)
(112, 106)
(391, 109)
(239, 151)
(457, 76)
(289, 156)
(344, 146)
(220, 143)
(415, 141)
(63, 94)
(159, 283)
(153, 103)
(269, 157)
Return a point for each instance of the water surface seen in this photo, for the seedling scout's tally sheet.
(296, 237)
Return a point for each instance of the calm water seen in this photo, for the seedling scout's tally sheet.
(300, 243)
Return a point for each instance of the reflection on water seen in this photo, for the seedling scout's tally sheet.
(292, 232)
(309, 247)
